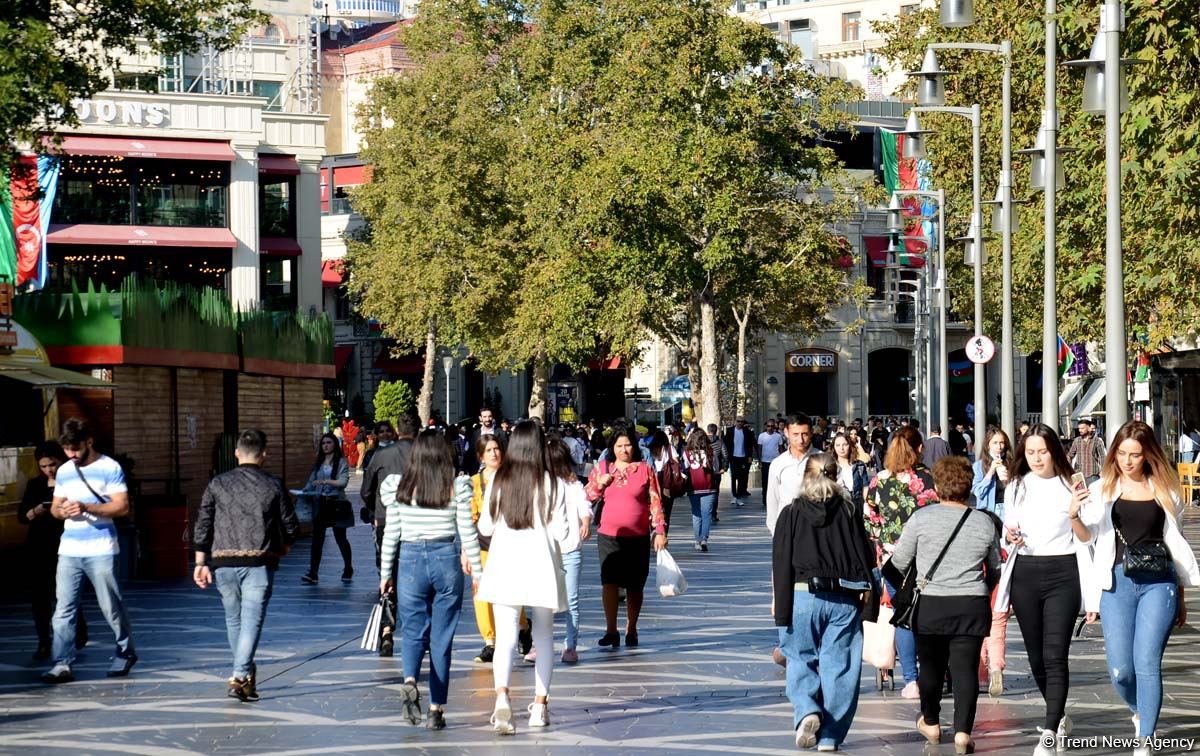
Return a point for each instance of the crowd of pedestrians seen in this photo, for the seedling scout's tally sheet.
(862, 516)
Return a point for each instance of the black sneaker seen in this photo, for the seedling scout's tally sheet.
(486, 654)
(121, 665)
(410, 700)
(387, 645)
(237, 689)
(525, 641)
(436, 720)
(308, 579)
(610, 639)
(704, 545)
(347, 575)
(252, 684)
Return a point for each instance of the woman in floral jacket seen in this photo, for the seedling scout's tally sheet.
(893, 495)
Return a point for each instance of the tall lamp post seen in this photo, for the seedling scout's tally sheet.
(447, 366)
(914, 147)
(931, 91)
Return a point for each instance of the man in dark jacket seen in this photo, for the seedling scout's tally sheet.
(740, 443)
(487, 427)
(935, 447)
(246, 522)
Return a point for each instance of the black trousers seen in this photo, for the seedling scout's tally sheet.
(318, 544)
(741, 475)
(1045, 595)
(960, 655)
(668, 504)
(392, 597)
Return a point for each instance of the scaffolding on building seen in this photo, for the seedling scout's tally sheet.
(308, 64)
(222, 72)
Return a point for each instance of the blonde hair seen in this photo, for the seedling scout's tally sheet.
(1164, 483)
(820, 478)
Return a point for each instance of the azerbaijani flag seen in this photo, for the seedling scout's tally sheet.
(909, 175)
(1066, 358)
(25, 201)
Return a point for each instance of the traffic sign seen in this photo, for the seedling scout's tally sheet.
(980, 349)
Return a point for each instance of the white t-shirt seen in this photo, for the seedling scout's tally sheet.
(739, 442)
(87, 535)
(769, 443)
(1040, 512)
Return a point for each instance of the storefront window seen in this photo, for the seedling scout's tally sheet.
(93, 189)
(181, 193)
(277, 283)
(276, 206)
(110, 266)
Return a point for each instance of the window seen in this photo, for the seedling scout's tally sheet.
(277, 206)
(94, 189)
(850, 26)
(277, 283)
(800, 34)
(113, 190)
(269, 90)
(136, 82)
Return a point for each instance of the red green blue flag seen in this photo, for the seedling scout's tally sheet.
(25, 201)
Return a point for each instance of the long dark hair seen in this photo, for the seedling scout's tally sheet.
(429, 475)
(484, 440)
(337, 454)
(1062, 466)
(698, 443)
(559, 462)
(986, 457)
(521, 479)
(658, 442)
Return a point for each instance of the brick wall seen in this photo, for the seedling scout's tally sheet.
(303, 417)
(93, 405)
(201, 420)
(259, 407)
(142, 422)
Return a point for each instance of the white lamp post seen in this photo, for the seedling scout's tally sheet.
(447, 366)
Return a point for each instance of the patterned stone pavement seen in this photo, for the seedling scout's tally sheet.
(701, 681)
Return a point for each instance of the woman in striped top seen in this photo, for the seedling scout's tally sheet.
(425, 509)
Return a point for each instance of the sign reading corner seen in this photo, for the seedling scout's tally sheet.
(811, 360)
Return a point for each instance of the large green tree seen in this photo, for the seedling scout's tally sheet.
(53, 53)
(1160, 145)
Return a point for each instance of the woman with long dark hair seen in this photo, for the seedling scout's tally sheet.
(702, 477)
(327, 482)
(427, 508)
(579, 517)
(1135, 506)
(526, 518)
(632, 509)
(1047, 561)
(661, 456)
(990, 488)
(852, 472)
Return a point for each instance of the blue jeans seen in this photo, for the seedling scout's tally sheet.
(69, 577)
(703, 506)
(823, 646)
(245, 592)
(906, 647)
(572, 561)
(429, 597)
(1137, 619)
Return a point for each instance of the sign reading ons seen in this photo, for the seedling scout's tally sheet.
(811, 361)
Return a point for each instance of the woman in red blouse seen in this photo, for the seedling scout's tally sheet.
(632, 507)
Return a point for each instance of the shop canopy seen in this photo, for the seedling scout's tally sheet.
(332, 273)
(45, 376)
(136, 147)
(141, 236)
(1090, 401)
(278, 165)
(279, 246)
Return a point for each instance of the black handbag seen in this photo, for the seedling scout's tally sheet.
(598, 504)
(1150, 560)
(909, 587)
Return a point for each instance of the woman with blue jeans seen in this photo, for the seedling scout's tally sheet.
(1135, 504)
(430, 512)
(821, 563)
(702, 478)
(579, 514)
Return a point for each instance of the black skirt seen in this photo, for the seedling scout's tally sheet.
(953, 615)
(624, 560)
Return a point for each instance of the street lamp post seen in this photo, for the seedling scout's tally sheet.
(914, 147)
(447, 366)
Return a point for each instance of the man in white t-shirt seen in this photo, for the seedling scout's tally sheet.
(770, 445)
(89, 492)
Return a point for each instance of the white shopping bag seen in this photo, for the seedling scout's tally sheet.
(669, 577)
(879, 641)
(370, 638)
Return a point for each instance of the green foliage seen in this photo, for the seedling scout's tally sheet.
(287, 336)
(54, 53)
(1160, 146)
(393, 399)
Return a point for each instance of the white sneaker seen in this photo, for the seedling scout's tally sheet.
(806, 733)
(1143, 750)
(1042, 749)
(539, 715)
(502, 722)
(910, 691)
(1065, 725)
(1137, 725)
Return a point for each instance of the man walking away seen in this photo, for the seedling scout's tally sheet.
(245, 523)
(89, 492)
(1087, 451)
(935, 447)
(739, 440)
(721, 459)
(770, 445)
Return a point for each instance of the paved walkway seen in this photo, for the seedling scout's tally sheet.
(701, 681)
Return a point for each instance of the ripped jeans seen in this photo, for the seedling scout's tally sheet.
(1137, 617)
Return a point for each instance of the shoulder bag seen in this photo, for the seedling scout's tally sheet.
(908, 587)
(1149, 561)
(598, 504)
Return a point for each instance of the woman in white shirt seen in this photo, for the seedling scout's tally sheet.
(579, 515)
(1048, 559)
(1136, 504)
(525, 515)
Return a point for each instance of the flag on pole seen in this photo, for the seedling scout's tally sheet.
(1142, 372)
(25, 201)
(1066, 358)
(906, 174)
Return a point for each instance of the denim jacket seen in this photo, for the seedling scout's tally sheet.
(984, 489)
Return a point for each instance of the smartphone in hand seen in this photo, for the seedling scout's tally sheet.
(1078, 481)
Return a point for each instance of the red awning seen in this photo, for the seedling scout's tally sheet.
(341, 355)
(279, 246)
(876, 250)
(409, 364)
(351, 175)
(278, 165)
(606, 363)
(141, 236)
(333, 273)
(175, 149)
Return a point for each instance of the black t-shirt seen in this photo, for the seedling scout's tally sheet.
(999, 490)
(1138, 521)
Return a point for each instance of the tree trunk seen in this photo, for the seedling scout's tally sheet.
(693, 360)
(743, 321)
(539, 389)
(710, 406)
(425, 400)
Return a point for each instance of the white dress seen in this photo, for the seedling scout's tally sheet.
(524, 567)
